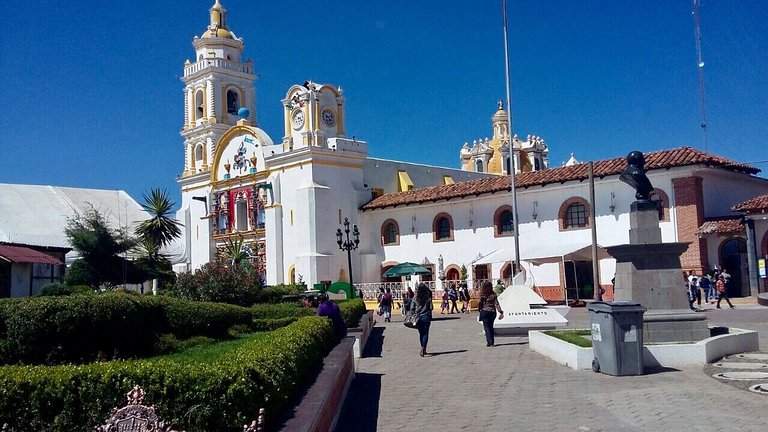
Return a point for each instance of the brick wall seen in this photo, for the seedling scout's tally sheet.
(689, 211)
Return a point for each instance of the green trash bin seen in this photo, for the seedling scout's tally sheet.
(617, 337)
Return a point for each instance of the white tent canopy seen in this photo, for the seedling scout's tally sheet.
(546, 252)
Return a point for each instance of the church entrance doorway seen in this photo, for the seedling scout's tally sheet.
(578, 280)
(733, 258)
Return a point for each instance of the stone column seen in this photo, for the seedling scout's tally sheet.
(187, 103)
(754, 282)
(209, 92)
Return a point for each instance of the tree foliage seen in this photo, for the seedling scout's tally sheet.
(155, 233)
(100, 246)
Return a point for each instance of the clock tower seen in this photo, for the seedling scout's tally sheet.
(313, 114)
(217, 83)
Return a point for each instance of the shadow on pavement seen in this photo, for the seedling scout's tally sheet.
(435, 354)
(658, 370)
(525, 342)
(448, 318)
(361, 407)
(375, 343)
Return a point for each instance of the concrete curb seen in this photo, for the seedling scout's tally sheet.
(320, 408)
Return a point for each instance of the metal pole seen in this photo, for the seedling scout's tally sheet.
(512, 168)
(593, 213)
(349, 263)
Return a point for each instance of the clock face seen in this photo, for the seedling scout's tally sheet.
(329, 118)
(298, 119)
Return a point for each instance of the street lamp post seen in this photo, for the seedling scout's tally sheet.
(348, 245)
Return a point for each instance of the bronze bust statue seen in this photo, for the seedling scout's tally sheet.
(634, 175)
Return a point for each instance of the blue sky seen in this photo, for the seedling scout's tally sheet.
(93, 98)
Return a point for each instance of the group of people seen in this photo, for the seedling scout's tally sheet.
(712, 287)
(453, 295)
(419, 304)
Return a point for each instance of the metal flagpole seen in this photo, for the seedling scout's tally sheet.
(597, 295)
(516, 263)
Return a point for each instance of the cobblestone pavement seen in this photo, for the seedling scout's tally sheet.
(468, 387)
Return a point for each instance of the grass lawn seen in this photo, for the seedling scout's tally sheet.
(205, 350)
(575, 337)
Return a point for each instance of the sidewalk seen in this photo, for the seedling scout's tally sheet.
(468, 387)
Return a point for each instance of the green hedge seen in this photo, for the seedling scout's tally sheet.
(268, 371)
(269, 324)
(351, 311)
(82, 328)
(280, 310)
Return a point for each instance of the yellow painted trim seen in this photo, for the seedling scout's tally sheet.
(194, 188)
(240, 181)
(404, 182)
(291, 269)
(228, 135)
(448, 180)
(322, 163)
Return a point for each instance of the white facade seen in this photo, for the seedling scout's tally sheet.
(286, 197)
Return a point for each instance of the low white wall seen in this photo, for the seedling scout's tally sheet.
(560, 351)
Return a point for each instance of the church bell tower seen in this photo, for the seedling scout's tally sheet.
(217, 83)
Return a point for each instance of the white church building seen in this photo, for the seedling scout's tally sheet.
(284, 197)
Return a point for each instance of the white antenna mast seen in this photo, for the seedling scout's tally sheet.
(700, 67)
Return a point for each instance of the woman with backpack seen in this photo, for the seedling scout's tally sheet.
(453, 297)
(444, 303)
(423, 311)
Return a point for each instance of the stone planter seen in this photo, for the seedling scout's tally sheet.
(361, 334)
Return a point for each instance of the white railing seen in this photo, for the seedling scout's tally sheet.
(371, 290)
(193, 68)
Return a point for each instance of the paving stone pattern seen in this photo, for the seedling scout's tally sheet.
(468, 387)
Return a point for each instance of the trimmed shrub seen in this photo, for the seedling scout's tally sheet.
(352, 310)
(81, 328)
(276, 293)
(269, 324)
(60, 289)
(267, 371)
(280, 310)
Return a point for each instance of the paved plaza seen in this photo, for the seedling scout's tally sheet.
(468, 387)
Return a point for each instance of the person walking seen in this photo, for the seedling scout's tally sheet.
(453, 296)
(385, 304)
(444, 303)
(407, 301)
(464, 297)
(423, 310)
(489, 305)
(722, 291)
(706, 286)
(691, 287)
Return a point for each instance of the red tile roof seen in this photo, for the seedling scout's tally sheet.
(758, 204)
(723, 225)
(678, 157)
(19, 254)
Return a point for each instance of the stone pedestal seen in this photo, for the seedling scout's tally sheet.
(649, 272)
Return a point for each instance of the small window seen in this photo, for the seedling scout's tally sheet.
(576, 216)
(258, 214)
(479, 166)
(508, 164)
(390, 233)
(443, 227)
(536, 163)
(199, 105)
(504, 221)
(233, 101)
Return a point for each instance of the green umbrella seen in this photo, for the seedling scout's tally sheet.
(406, 269)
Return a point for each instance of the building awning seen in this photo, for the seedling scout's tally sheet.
(546, 252)
(20, 254)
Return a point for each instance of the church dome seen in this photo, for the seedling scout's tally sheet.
(219, 33)
(500, 113)
(218, 26)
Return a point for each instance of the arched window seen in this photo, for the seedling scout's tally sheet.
(241, 215)
(199, 157)
(442, 227)
(199, 105)
(233, 101)
(508, 163)
(479, 165)
(292, 275)
(574, 214)
(390, 233)
(503, 221)
(662, 199)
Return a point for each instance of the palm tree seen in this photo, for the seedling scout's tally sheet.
(235, 251)
(156, 232)
(161, 228)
